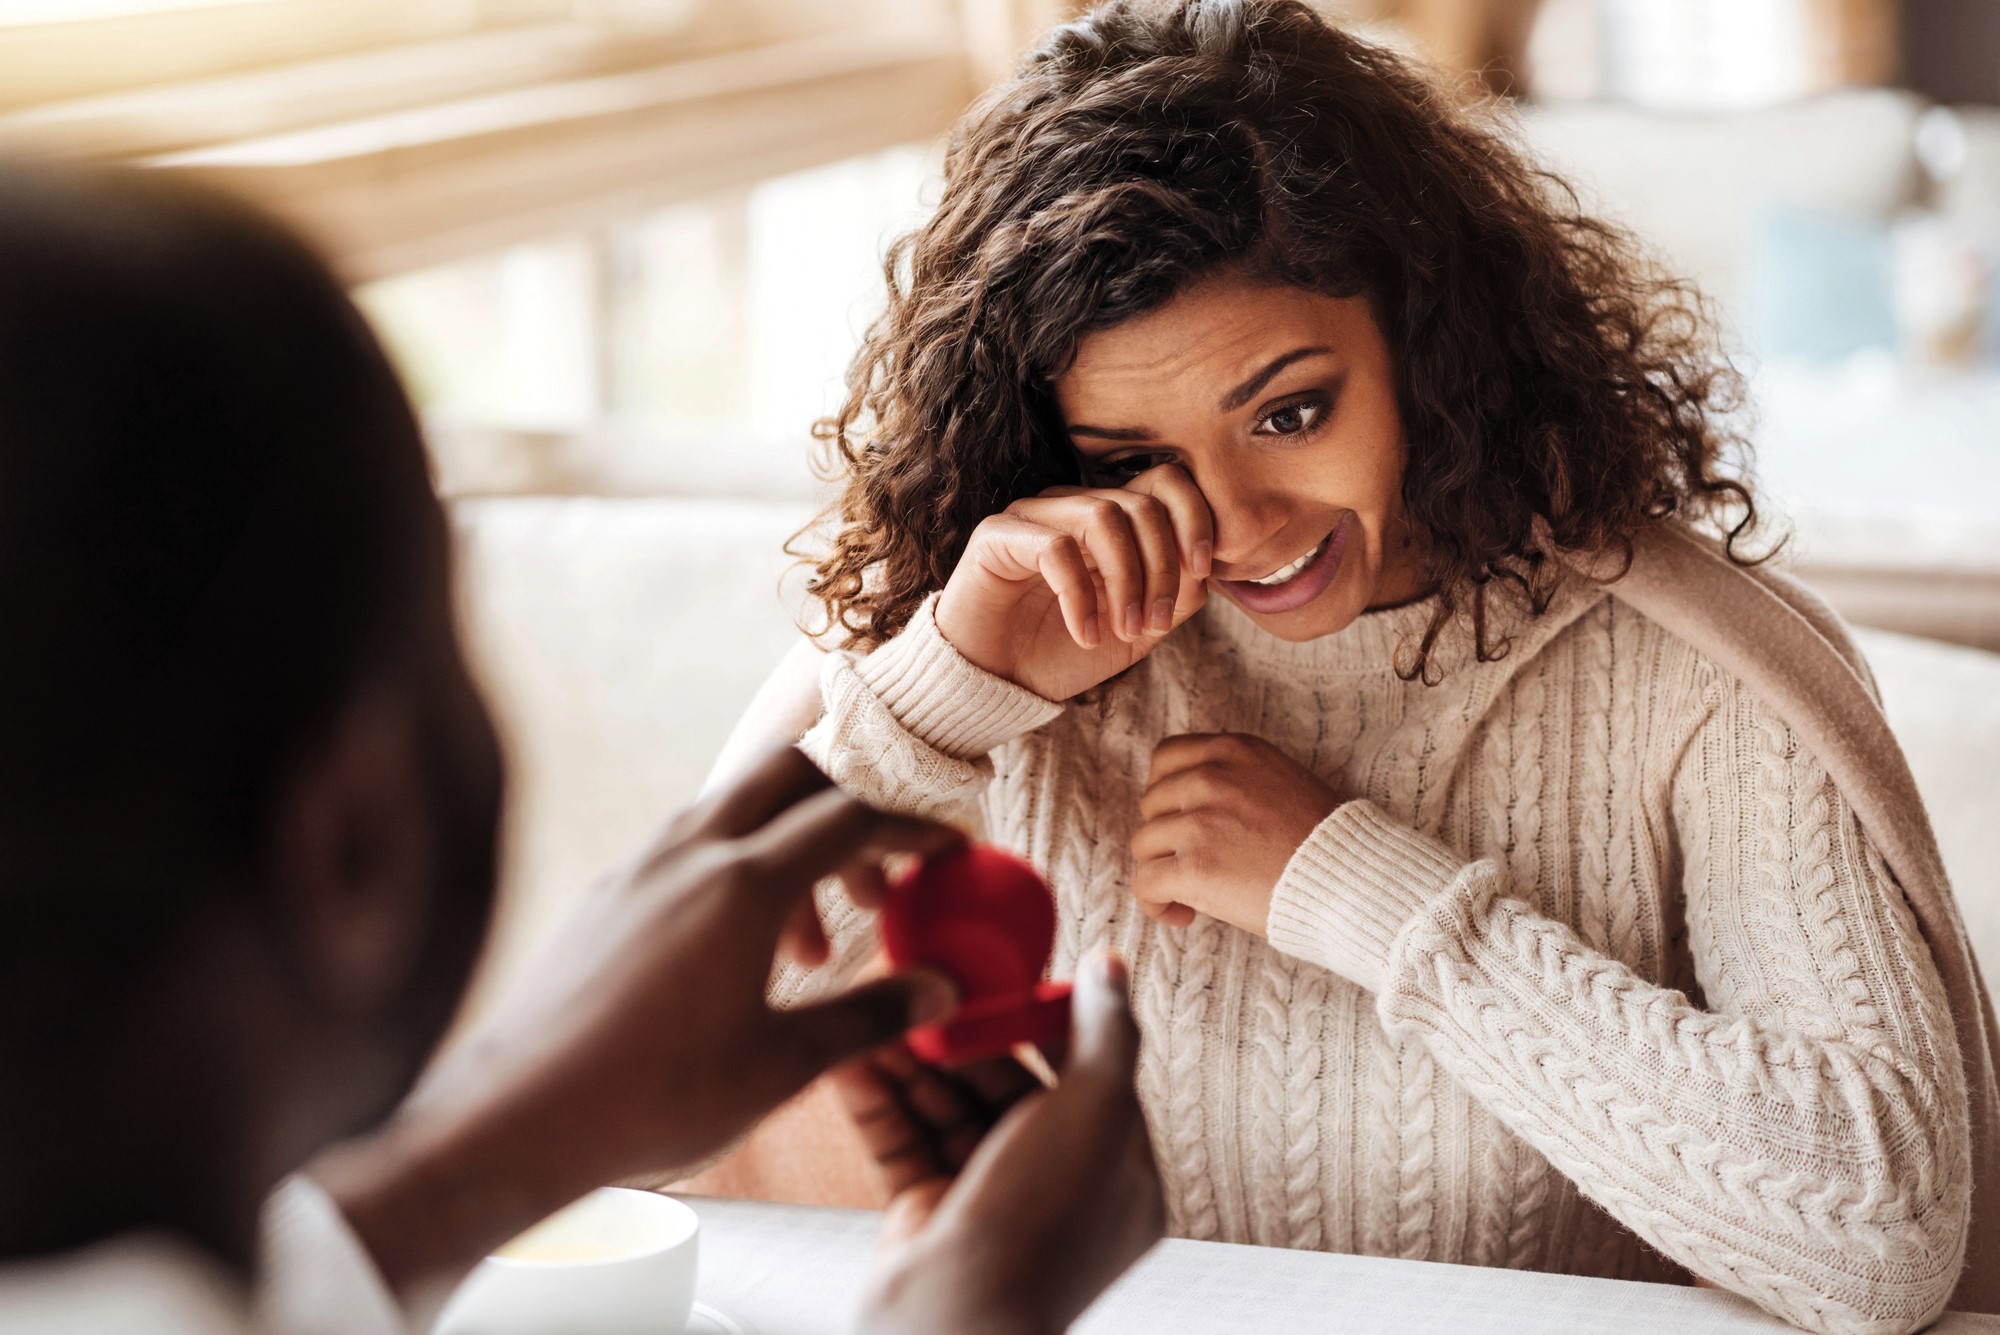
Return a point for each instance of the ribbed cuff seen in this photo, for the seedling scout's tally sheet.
(943, 700)
(1354, 884)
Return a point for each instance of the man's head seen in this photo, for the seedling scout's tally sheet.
(248, 795)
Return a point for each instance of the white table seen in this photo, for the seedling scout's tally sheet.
(796, 1270)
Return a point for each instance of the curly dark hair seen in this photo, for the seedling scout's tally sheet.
(1556, 390)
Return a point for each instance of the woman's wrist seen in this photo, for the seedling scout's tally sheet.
(942, 698)
(1358, 879)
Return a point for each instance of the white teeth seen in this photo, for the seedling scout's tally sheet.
(1280, 576)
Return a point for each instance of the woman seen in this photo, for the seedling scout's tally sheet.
(1213, 485)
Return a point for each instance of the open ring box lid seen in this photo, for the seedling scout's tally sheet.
(987, 920)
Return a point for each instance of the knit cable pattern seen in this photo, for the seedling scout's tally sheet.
(1792, 1127)
(1598, 1072)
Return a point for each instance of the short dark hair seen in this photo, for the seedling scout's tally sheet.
(213, 503)
(1554, 388)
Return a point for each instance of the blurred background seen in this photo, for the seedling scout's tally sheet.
(623, 250)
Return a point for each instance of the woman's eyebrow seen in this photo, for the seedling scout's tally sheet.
(1231, 401)
(1246, 391)
(1112, 432)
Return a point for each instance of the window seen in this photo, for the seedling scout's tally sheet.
(614, 243)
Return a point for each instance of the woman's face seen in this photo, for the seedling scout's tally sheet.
(1280, 403)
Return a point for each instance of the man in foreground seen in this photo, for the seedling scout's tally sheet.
(248, 813)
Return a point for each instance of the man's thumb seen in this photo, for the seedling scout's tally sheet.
(1106, 1042)
(829, 1032)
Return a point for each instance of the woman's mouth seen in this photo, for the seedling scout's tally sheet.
(1296, 583)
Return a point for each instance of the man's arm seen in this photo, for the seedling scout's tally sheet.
(639, 1039)
(1013, 1206)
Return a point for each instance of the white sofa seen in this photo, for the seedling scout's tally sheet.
(1696, 186)
(620, 638)
(1891, 471)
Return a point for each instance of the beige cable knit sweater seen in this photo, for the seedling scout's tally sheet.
(1594, 925)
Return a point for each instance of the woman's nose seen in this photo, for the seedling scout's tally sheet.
(1246, 516)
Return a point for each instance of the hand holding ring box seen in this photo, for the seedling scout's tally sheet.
(987, 920)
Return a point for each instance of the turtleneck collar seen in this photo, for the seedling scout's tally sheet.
(1383, 640)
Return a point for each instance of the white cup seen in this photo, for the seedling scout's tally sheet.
(616, 1262)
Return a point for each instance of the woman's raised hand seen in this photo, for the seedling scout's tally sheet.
(1063, 590)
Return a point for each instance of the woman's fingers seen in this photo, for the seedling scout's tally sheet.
(1160, 551)
(1085, 610)
(1120, 562)
(1102, 524)
(1188, 749)
(1193, 522)
(1015, 548)
(1161, 882)
(1166, 835)
(1168, 913)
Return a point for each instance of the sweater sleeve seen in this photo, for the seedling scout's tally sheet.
(1799, 1135)
(315, 1277)
(908, 728)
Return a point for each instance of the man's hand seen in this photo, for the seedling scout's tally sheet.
(638, 1040)
(1221, 816)
(1014, 1207)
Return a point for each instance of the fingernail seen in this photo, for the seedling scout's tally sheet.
(1202, 557)
(932, 996)
(1090, 631)
(1163, 615)
(1135, 621)
(1112, 969)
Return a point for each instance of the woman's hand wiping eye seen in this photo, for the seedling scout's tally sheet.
(1061, 591)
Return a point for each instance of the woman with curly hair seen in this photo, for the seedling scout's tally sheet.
(1216, 487)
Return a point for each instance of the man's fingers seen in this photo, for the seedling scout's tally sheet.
(869, 1088)
(911, 1209)
(998, 1083)
(777, 782)
(866, 883)
(827, 832)
(941, 1102)
(827, 1033)
(804, 939)
(1105, 1045)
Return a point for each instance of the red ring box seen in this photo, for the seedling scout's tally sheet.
(987, 920)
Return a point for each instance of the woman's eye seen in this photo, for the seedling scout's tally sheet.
(1126, 468)
(1292, 420)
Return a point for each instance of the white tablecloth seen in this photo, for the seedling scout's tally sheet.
(795, 1270)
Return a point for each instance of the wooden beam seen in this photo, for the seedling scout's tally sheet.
(391, 193)
(52, 62)
(260, 103)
